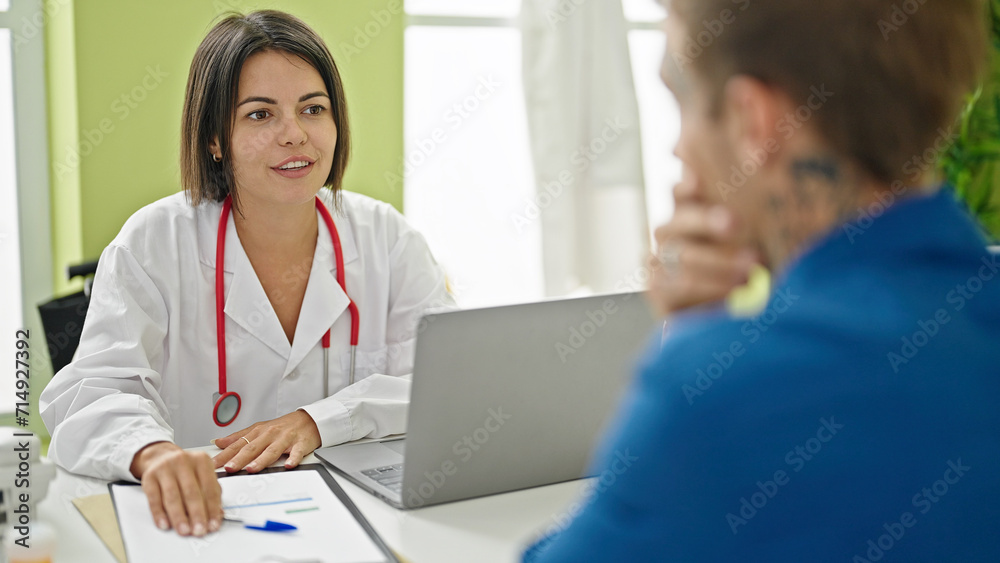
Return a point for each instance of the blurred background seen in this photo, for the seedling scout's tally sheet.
(507, 131)
(91, 93)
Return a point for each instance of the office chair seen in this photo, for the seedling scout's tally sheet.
(63, 317)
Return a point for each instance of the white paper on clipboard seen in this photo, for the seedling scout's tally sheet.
(327, 530)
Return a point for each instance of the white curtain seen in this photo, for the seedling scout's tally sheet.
(583, 123)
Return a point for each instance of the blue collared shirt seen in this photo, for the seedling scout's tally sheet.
(856, 419)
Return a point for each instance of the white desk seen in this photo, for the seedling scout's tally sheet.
(488, 529)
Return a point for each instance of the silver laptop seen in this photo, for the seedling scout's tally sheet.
(504, 398)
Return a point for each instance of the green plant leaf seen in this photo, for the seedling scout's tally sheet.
(972, 163)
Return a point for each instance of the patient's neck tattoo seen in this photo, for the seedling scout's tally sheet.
(822, 195)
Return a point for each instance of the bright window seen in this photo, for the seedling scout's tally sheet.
(11, 316)
(25, 248)
(468, 164)
(660, 121)
(467, 160)
(650, 11)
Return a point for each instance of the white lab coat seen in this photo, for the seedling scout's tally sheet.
(146, 368)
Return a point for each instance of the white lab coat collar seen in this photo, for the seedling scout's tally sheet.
(247, 304)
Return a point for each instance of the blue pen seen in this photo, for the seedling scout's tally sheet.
(267, 526)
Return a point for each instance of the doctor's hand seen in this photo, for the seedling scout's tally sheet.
(260, 445)
(701, 255)
(181, 487)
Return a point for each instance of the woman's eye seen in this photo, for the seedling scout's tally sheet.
(258, 115)
(315, 110)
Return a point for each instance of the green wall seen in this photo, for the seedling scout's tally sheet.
(116, 75)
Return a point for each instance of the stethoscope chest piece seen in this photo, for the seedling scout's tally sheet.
(227, 407)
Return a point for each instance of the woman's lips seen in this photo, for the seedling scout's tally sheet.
(295, 172)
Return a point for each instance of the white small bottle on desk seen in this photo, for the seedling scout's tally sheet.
(41, 545)
(24, 481)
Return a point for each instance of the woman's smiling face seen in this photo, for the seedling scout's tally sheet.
(284, 135)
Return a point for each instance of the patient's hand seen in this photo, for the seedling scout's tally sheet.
(181, 487)
(701, 256)
(263, 443)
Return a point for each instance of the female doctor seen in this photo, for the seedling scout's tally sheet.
(237, 304)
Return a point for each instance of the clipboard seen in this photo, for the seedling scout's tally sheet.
(332, 529)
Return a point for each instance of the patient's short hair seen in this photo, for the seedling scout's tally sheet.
(899, 70)
(212, 89)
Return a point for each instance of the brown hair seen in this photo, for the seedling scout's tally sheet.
(899, 70)
(211, 97)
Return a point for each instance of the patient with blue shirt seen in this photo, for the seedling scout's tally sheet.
(856, 418)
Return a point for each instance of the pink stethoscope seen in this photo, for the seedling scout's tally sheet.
(228, 403)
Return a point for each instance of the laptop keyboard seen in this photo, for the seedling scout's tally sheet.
(389, 476)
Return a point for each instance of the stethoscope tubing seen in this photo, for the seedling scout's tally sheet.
(220, 320)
